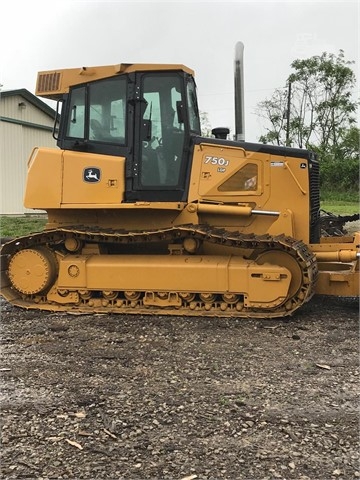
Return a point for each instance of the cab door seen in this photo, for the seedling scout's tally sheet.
(161, 136)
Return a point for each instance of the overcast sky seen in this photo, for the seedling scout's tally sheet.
(44, 35)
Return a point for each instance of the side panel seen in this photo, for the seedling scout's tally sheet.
(65, 179)
(92, 179)
(264, 181)
(44, 179)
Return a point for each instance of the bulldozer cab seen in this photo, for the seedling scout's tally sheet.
(146, 117)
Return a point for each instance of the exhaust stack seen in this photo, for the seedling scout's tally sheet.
(239, 92)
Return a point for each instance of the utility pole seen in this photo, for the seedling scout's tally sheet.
(288, 116)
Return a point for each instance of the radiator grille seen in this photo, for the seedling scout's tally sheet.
(48, 82)
(314, 201)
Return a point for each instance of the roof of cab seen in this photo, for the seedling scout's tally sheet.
(53, 83)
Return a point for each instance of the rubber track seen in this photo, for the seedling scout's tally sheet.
(298, 249)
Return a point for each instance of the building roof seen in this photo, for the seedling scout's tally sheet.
(31, 98)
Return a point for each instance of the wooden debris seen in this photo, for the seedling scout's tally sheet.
(74, 444)
(323, 366)
(109, 433)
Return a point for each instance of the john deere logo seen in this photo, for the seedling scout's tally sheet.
(92, 175)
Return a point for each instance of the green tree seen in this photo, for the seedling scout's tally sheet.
(339, 165)
(320, 109)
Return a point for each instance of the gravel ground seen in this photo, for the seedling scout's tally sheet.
(132, 397)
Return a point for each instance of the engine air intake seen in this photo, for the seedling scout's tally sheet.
(48, 82)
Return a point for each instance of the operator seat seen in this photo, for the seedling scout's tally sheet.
(98, 130)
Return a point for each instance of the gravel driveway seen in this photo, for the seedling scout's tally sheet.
(131, 397)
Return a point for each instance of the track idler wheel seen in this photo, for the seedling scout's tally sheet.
(32, 270)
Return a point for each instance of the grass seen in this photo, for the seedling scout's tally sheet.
(340, 207)
(16, 226)
(340, 203)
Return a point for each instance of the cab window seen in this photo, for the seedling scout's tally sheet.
(162, 131)
(107, 111)
(98, 112)
(194, 117)
(76, 124)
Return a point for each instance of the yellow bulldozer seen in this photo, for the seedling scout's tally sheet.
(146, 216)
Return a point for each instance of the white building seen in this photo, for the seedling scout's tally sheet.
(25, 122)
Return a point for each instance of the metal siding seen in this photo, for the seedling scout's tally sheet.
(16, 144)
(10, 108)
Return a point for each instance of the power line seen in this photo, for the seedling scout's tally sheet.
(246, 91)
